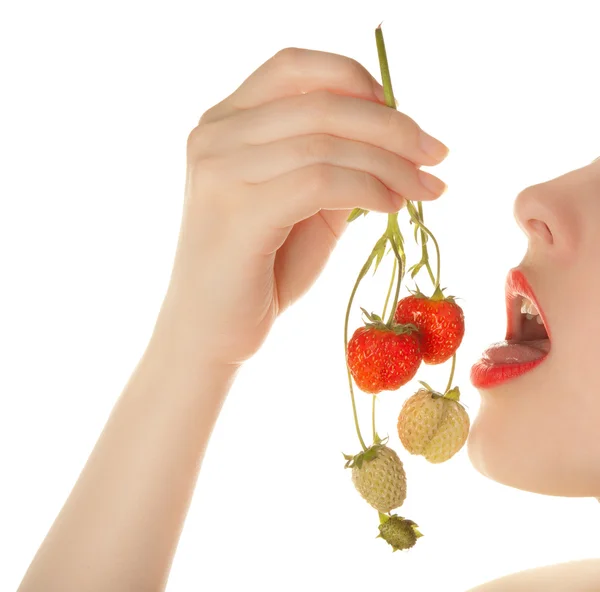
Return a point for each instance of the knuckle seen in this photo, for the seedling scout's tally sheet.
(200, 139)
(318, 147)
(372, 185)
(356, 73)
(398, 123)
(321, 178)
(288, 56)
(319, 104)
(207, 116)
(207, 173)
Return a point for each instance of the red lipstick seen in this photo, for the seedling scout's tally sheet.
(526, 344)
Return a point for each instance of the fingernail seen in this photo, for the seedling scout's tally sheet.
(432, 146)
(431, 183)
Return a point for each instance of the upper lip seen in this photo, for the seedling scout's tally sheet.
(518, 287)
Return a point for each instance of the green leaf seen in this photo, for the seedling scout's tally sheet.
(356, 213)
(379, 256)
(416, 268)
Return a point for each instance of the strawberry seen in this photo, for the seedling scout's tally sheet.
(399, 532)
(433, 425)
(383, 357)
(440, 320)
(379, 477)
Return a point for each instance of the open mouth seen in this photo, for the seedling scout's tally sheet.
(526, 321)
(527, 341)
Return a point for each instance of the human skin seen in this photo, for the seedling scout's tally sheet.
(273, 172)
(539, 432)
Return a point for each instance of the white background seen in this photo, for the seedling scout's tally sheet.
(97, 101)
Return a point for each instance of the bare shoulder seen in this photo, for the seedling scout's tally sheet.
(575, 576)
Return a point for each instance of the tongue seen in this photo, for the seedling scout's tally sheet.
(510, 352)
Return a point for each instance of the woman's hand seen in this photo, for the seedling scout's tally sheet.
(273, 172)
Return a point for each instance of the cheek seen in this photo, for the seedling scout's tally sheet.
(540, 434)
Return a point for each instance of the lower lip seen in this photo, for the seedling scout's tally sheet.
(487, 373)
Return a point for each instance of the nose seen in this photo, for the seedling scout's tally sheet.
(532, 214)
(545, 213)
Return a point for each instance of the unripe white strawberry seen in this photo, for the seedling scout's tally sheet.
(379, 477)
(432, 425)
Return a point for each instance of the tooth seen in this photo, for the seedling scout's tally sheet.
(528, 307)
(539, 320)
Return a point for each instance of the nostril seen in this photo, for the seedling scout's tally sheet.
(539, 228)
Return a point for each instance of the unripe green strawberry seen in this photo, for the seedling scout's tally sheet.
(379, 477)
(399, 532)
(433, 425)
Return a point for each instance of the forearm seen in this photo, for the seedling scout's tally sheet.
(119, 528)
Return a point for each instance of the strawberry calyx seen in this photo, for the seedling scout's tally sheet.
(452, 394)
(365, 455)
(437, 296)
(401, 533)
(376, 322)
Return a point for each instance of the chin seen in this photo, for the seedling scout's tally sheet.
(507, 451)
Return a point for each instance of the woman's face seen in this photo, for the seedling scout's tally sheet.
(540, 431)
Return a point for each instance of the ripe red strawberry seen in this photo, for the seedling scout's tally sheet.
(440, 320)
(382, 357)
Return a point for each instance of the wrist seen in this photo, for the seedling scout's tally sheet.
(177, 351)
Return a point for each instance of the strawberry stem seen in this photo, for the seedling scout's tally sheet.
(424, 256)
(388, 93)
(389, 293)
(361, 275)
(451, 373)
(373, 419)
(394, 236)
(417, 220)
(398, 284)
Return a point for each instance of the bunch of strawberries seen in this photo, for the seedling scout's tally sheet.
(385, 355)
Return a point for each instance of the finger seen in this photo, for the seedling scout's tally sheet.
(324, 112)
(295, 71)
(258, 164)
(301, 193)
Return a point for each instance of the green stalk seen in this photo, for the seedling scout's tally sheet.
(387, 298)
(353, 293)
(389, 293)
(392, 232)
(373, 420)
(411, 208)
(386, 80)
(451, 373)
(424, 254)
(398, 284)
